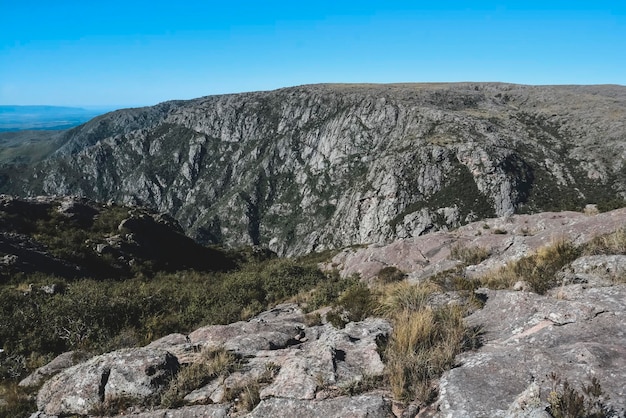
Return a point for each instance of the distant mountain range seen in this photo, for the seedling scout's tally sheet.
(19, 118)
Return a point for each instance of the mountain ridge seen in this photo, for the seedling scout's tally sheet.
(307, 168)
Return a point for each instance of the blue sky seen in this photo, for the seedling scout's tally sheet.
(128, 53)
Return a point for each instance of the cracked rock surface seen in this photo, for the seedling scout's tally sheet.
(576, 332)
(312, 363)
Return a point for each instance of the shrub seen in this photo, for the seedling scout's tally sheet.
(567, 402)
(327, 292)
(355, 304)
(18, 402)
(608, 205)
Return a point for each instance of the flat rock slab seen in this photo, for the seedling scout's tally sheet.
(581, 334)
(363, 406)
(201, 411)
(507, 239)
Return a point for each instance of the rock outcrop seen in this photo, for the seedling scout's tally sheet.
(132, 373)
(310, 366)
(573, 334)
(61, 362)
(505, 239)
(327, 166)
(99, 240)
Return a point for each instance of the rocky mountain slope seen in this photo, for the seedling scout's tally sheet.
(75, 238)
(284, 363)
(327, 166)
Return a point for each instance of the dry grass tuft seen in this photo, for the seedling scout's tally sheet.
(245, 396)
(469, 255)
(423, 345)
(609, 244)
(213, 363)
(399, 297)
(539, 269)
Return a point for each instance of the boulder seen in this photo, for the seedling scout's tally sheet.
(573, 333)
(201, 411)
(136, 373)
(58, 364)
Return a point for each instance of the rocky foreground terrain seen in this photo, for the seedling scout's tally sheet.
(327, 166)
(294, 364)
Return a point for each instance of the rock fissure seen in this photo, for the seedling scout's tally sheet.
(104, 379)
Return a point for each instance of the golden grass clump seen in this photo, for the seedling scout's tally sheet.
(402, 296)
(423, 345)
(213, 363)
(609, 244)
(470, 255)
(538, 269)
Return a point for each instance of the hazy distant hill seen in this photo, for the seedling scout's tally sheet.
(17, 118)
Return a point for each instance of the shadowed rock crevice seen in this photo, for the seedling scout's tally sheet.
(104, 379)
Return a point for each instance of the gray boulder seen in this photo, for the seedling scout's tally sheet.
(200, 411)
(135, 373)
(59, 363)
(578, 335)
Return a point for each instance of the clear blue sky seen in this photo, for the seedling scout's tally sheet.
(84, 52)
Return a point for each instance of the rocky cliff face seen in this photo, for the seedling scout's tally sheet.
(315, 167)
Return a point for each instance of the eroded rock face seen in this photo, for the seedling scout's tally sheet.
(576, 333)
(136, 373)
(327, 166)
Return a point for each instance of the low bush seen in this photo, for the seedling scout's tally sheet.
(18, 401)
(355, 304)
(567, 402)
(107, 314)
